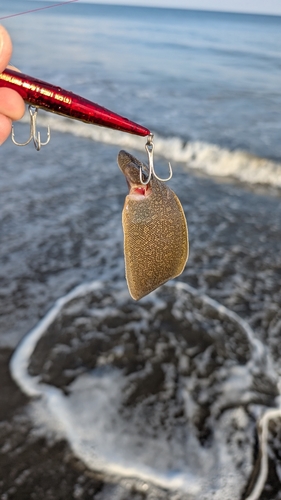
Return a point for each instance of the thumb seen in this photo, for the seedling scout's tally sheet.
(5, 48)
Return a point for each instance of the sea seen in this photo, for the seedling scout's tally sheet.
(207, 84)
(162, 397)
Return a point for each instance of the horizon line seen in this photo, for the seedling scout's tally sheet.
(195, 9)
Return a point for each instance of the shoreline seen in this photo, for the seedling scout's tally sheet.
(62, 226)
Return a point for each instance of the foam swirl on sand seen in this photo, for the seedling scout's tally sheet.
(162, 391)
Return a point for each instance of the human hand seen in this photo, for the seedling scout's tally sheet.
(11, 104)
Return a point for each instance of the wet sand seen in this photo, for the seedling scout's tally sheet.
(61, 226)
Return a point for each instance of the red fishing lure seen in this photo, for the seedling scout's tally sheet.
(46, 96)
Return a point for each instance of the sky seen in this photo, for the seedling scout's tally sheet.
(249, 6)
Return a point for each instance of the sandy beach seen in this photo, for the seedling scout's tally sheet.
(60, 227)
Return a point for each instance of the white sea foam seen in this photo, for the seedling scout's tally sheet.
(88, 417)
(209, 158)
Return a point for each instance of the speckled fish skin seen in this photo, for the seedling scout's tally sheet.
(155, 231)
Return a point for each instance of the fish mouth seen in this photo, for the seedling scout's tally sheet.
(139, 190)
(132, 169)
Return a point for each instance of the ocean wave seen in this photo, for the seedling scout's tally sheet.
(208, 158)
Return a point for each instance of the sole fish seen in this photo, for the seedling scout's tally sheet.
(155, 230)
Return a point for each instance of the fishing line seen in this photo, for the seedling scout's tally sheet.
(40, 8)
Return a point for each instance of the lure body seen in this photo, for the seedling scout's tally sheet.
(155, 230)
(46, 96)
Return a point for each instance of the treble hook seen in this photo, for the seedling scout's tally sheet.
(33, 132)
(151, 171)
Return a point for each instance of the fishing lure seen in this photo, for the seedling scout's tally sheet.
(40, 94)
(154, 226)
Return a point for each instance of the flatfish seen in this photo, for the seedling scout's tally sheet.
(155, 230)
